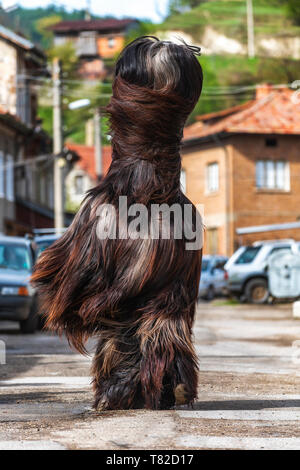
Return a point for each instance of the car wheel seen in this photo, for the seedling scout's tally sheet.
(31, 323)
(257, 291)
(210, 293)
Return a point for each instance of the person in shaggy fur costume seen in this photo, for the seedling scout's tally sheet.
(136, 291)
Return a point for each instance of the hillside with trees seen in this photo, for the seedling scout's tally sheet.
(34, 22)
(229, 79)
(229, 16)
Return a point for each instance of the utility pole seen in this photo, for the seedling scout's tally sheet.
(98, 144)
(250, 28)
(58, 146)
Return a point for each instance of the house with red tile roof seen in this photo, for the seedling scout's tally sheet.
(83, 176)
(95, 41)
(243, 165)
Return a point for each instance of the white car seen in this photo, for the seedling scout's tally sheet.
(248, 269)
(213, 276)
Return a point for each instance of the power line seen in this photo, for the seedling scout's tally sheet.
(27, 161)
(93, 85)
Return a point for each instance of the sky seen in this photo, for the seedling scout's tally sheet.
(150, 9)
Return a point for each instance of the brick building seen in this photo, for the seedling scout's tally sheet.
(95, 41)
(243, 165)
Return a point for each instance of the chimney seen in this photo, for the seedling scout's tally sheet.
(87, 16)
(87, 13)
(263, 90)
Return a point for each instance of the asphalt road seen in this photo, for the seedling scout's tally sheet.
(249, 390)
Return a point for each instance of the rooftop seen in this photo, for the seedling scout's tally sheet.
(92, 25)
(87, 161)
(274, 111)
(19, 41)
(13, 121)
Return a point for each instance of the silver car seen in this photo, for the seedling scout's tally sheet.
(247, 269)
(44, 241)
(18, 300)
(213, 276)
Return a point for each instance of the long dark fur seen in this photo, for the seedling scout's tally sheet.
(138, 296)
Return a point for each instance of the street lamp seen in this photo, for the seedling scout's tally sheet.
(79, 104)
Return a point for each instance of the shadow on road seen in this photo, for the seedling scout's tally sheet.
(245, 404)
(26, 352)
(42, 396)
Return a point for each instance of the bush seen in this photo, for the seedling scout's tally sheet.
(293, 7)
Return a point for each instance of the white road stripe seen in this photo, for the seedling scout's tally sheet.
(31, 445)
(281, 414)
(251, 366)
(242, 443)
(64, 356)
(46, 381)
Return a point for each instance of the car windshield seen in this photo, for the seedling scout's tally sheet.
(248, 255)
(15, 257)
(205, 265)
(42, 246)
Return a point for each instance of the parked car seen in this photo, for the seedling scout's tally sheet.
(18, 299)
(247, 269)
(44, 241)
(213, 276)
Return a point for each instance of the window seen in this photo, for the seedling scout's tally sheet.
(183, 181)
(1, 175)
(79, 185)
(42, 188)
(212, 177)
(279, 248)
(31, 181)
(220, 263)
(87, 43)
(248, 255)
(50, 192)
(271, 142)
(14, 257)
(111, 42)
(212, 241)
(10, 178)
(204, 265)
(272, 174)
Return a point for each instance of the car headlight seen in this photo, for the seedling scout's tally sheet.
(11, 290)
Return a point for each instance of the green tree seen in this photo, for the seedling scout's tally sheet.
(43, 27)
(67, 54)
(144, 28)
(180, 6)
(293, 7)
(277, 70)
